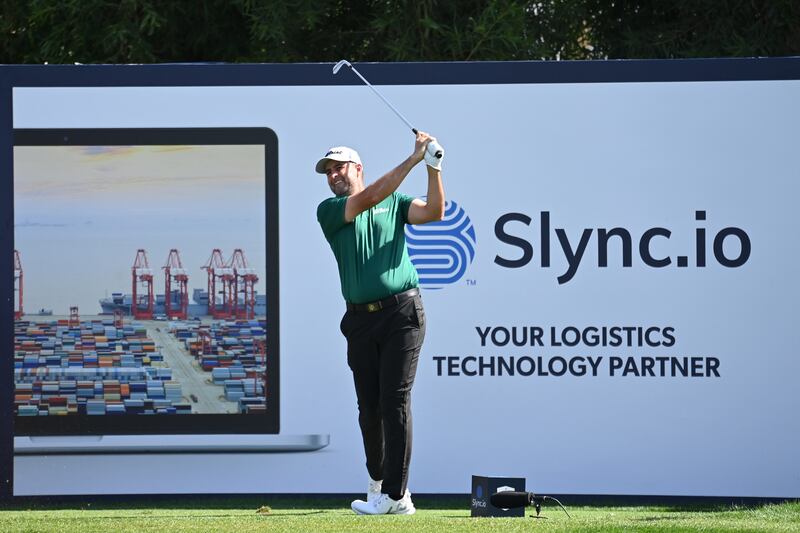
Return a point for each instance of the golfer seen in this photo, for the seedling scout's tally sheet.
(384, 323)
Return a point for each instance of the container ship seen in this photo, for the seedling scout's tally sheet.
(198, 306)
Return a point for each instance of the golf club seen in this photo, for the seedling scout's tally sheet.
(433, 146)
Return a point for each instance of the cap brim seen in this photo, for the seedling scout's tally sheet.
(320, 168)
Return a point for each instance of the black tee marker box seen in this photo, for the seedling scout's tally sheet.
(482, 489)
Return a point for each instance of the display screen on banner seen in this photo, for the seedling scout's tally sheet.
(143, 263)
(610, 297)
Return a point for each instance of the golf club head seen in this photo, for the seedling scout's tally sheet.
(339, 65)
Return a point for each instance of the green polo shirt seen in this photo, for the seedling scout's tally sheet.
(370, 250)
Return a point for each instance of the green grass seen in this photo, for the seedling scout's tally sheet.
(333, 514)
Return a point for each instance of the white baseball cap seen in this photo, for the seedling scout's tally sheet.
(337, 153)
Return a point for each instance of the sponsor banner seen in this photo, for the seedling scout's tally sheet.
(610, 296)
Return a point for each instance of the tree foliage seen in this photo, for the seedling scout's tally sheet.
(147, 31)
(696, 28)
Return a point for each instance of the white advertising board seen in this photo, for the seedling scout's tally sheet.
(612, 310)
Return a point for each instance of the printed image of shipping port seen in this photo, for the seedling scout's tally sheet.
(89, 219)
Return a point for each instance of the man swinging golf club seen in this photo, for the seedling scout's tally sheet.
(385, 322)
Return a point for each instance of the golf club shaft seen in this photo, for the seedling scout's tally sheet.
(400, 115)
(433, 147)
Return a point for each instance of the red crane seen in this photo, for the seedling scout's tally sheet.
(174, 271)
(142, 279)
(18, 286)
(244, 283)
(217, 270)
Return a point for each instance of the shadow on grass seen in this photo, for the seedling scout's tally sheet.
(320, 503)
(182, 502)
(283, 502)
(718, 508)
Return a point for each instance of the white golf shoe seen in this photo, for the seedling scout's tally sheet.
(383, 504)
(373, 493)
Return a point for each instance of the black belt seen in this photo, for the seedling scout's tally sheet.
(395, 299)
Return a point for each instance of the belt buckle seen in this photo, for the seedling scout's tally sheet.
(374, 306)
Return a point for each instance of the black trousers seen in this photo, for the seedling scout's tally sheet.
(382, 351)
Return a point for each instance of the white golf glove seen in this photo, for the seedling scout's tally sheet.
(430, 155)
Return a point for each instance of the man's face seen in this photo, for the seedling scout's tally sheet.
(341, 176)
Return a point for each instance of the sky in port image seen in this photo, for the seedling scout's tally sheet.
(82, 212)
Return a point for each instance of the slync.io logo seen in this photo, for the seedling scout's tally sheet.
(441, 251)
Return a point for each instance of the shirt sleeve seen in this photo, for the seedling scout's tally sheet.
(403, 203)
(330, 214)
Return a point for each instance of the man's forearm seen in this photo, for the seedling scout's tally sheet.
(435, 199)
(376, 192)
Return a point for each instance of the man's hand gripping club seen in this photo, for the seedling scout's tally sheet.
(428, 149)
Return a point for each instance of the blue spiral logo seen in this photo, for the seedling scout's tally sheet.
(442, 251)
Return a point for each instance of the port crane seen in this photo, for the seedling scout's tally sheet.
(142, 279)
(244, 283)
(18, 286)
(175, 273)
(218, 271)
